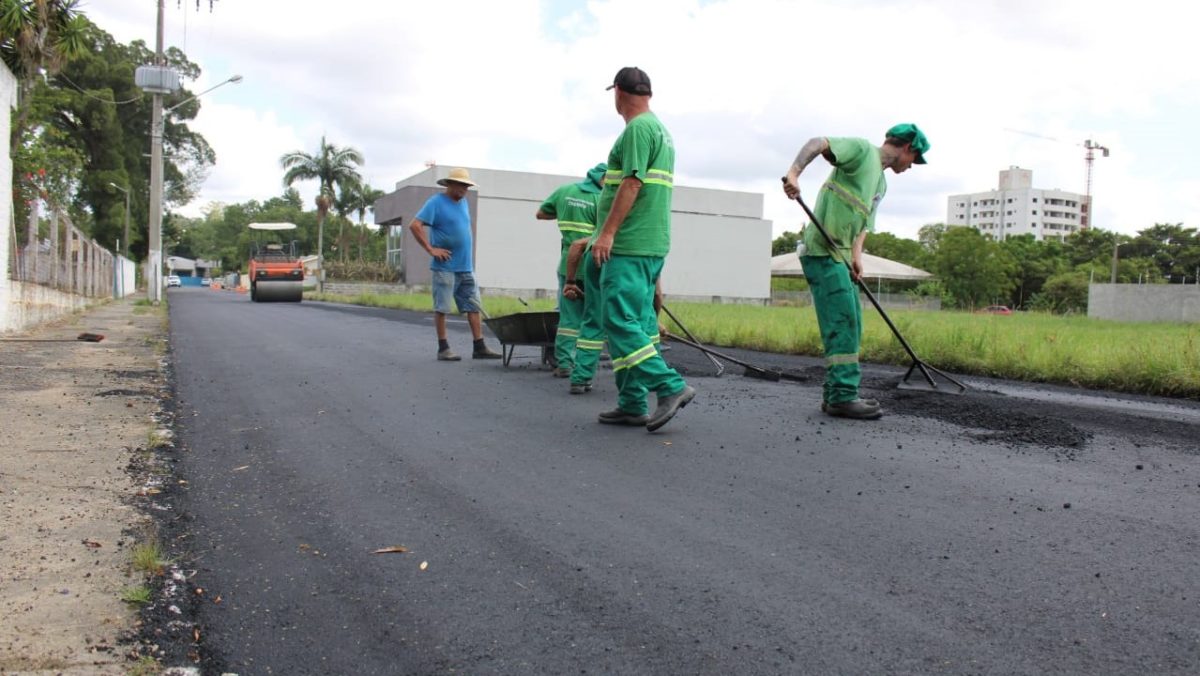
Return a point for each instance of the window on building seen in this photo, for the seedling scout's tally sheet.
(1035, 212)
(1035, 200)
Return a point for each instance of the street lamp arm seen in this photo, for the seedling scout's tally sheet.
(235, 79)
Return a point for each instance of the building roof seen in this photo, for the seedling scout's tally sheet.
(874, 267)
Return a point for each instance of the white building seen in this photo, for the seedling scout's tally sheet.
(1017, 208)
(720, 244)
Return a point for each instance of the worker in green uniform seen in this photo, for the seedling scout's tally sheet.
(846, 206)
(574, 207)
(629, 250)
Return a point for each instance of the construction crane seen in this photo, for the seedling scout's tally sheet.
(1089, 158)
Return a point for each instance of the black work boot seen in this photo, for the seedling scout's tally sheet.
(619, 417)
(856, 409)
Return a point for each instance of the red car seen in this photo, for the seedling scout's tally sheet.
(996, 310)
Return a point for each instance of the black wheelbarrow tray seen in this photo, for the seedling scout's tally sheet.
(537, 329)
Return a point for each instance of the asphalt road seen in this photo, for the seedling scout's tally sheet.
(1012, 530)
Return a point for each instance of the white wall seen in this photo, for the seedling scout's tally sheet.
(125, 272)
(8, 99)
(720, 244)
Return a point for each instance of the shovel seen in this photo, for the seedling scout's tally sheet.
(930, 385)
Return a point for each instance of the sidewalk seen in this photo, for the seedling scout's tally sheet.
(74, 416)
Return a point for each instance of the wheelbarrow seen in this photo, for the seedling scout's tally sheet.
(536, 329)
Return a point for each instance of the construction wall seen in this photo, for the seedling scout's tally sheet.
(1145, 302)
(720, 244)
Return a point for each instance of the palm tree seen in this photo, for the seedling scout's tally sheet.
(332, 167)
(37, 38)
(359, 199)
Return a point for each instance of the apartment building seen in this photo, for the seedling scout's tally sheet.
(1017, 208)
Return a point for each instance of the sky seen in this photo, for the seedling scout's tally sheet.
(741, 85)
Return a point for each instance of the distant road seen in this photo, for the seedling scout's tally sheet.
(989, 533)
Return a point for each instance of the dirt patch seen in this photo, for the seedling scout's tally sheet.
(65, 530)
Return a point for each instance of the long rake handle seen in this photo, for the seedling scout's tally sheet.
(833, 247)
(719, 365)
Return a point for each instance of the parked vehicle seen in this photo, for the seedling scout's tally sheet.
(173, 280)
(206, 281)
(996, 310)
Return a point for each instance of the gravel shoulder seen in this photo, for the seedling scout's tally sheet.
(76, 417)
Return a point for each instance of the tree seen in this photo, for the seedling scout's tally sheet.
(332, 167)
(360, 199)
(1063, 293)
(973, 269)
(785, 243)
(887, 245)
(88, 127)
(37, 38)
(1035, 262)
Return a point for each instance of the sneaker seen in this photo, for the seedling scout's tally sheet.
(485, 353)
(669, 406)
(561, 372)
(581, 388)
(856, 409)
(448, 355)
(619, 417)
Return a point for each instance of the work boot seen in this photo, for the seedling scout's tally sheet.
(581, 388)
(857, 409)
(561, 372)
(448, 355)
(668, 406)
(485, 353)
(868, 402)
(619, 417)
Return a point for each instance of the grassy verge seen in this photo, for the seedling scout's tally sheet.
(1157, 359)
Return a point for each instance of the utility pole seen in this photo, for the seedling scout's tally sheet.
(1090, 157)
(154, 271)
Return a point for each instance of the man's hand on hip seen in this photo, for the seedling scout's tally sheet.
(440, 253)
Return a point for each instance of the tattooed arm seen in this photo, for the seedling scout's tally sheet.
(814, 147)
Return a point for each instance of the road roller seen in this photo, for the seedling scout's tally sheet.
(276, 273)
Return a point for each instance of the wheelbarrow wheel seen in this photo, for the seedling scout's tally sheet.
(548, 356)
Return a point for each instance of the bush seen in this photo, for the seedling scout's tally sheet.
(360, 272)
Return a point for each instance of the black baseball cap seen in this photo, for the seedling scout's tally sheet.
(632, 80)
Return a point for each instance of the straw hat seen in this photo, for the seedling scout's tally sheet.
(457, 175)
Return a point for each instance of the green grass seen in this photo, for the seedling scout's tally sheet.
(1158, 359)
(136, 596)
(148, 558)
(145, 666)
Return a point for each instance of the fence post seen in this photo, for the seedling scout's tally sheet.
(77, 286)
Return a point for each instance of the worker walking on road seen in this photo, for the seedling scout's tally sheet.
(846, 206)
(629, 250)
(574, 206)
(447, 216)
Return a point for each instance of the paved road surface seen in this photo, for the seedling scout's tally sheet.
(991, 533)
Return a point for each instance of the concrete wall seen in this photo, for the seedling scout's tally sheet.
(8, 99)
(29, 304)
(125, 278)
(720, 244)
(1145, 302)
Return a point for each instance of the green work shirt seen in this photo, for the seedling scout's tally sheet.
(646, 151)
(576, 211)
(849, 198)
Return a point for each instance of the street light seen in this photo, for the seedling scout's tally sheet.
(126, 240)
(158, 122)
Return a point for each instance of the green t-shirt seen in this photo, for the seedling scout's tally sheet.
(576, 211)
(644, 150)
(847, 202)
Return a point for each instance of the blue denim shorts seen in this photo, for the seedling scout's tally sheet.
(457, 285)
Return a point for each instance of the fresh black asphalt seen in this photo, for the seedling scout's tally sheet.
(984, 534)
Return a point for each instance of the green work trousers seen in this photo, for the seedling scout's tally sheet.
(570, 312)
(627, 285)
(591, 324)
(839, 316)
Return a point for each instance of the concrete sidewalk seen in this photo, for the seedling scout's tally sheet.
(76, 417)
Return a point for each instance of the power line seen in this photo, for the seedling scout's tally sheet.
(79, 89)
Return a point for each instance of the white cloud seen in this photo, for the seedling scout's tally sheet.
(741, 83)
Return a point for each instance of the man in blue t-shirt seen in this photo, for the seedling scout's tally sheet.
(447, 217)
